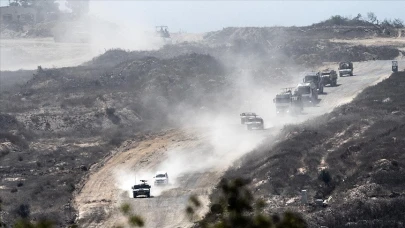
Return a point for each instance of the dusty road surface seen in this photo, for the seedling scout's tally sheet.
(195, 158)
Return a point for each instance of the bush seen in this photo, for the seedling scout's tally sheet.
(23, 210)
(325, 176)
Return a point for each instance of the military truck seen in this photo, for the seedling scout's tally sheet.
(245, 115)
(345, 68)
(141, 189)
(255, 123)
(329, 77)
(288, 103)
(308, 93)
(316, 78)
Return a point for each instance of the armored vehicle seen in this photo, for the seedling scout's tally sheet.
(329, 77)
(288, 103)
(141, 189)
(244, 116)
(345, 68)
(255, 123)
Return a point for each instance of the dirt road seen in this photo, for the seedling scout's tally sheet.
(194, 158)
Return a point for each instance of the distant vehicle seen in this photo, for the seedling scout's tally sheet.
(161, 178)
(245, 115)
(329, 77)
(308, 93)
(255, 123)
(316, 78)
(141, 189)
(345, 68)
(394, 66)
(288, 103)
(163, 32)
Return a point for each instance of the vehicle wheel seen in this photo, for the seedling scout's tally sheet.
(340, 75)
(148, 195)
(134, 195)
(351, 73)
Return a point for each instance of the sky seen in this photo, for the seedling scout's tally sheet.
(204, 16)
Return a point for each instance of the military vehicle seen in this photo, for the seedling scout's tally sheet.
(244, 116)
(161, 178)
(288, 102)
(308, 93)
(394, 66)
(141, 189)
(316, 78)
(345, 68)
(162, 31)
(329, 77)
(255, 123)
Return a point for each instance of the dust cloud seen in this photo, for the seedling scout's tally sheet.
(76, 41)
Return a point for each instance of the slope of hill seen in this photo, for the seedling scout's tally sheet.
(351, 157)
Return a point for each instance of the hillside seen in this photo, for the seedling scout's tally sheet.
(61, 126)
(351, 157)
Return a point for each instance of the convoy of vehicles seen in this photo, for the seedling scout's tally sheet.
(292, 100)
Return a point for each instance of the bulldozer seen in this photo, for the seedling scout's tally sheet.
(329, 77)
(345, 68)
(288, 102)
(162, 31)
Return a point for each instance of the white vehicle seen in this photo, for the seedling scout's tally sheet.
(161, 178)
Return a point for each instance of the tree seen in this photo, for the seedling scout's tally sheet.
(358, 17)
(398, 23)
(372, 17)
(236, 208)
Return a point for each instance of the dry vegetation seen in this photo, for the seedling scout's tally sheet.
(62, 121)
(353, 157)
